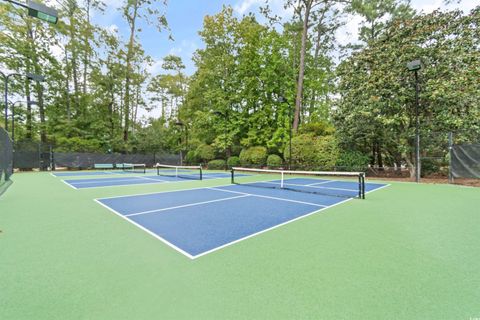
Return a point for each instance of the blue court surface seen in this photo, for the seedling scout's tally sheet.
(199, 221)
(92, 173)
(143, 179)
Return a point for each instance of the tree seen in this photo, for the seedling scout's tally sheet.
(134, 10)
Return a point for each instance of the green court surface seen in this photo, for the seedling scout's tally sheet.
(406, 252)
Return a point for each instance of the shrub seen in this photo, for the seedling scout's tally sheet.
(253, 156)
(217, 164)
(235, 150)
(191, 157)
(274, 161)
(233, 161)
(310, 152)
(429, 167)
(205, 152)
(353, 160)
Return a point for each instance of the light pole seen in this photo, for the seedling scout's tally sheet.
(31, 76)
(414, 66)
(225, 116)
(38, 10)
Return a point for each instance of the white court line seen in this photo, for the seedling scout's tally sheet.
(147, 178)
(314, 184)
(267, 197)
(171, 245)
(107, 181)
(70, 185)
(269, 229)
(186, 205)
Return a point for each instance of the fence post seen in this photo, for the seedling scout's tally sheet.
(52, 159)
(450, 153)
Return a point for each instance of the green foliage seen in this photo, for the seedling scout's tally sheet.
(253, 156)
(430, 167)
(77, 144)
(319, 128)
(233, 161)
(191, 157)
(217, 164)
(352, 160)
(205, 152)
(375, 112)
(274, 161)
(311, 152)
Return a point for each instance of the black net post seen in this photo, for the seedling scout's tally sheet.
(363, 185)
(201, 173)
(450, 147)
(232, 173)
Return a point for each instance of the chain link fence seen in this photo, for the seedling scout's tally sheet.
(30, 155)
(6, 160)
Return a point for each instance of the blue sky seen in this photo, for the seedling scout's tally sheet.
(185, 18)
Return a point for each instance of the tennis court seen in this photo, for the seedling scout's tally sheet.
(127, 181)
(164, 174)
(410, 246)
(200, 221)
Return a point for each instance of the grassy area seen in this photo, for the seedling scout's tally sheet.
(406, 252)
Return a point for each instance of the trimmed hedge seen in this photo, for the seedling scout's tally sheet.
(274, 161)
(217, 164)
(253, 156)
(311, 153)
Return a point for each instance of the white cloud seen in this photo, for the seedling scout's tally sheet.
(112, 4)
(245, 5)
(349, 32)
(112, 29)
(156, 67)
(427, 6)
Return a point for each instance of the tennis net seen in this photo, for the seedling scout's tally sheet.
(133, 167)
(184, 172)
(338, 184)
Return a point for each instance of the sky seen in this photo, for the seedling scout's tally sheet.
(185, 18)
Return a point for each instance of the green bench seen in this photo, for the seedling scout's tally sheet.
(103, 166)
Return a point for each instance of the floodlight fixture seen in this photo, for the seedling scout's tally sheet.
(414, 65)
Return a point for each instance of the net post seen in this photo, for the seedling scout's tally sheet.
(144, 169)
(281, 181)
(363, 185)
(201, 174)
(360, 190)
(450, 154)
(232, 176)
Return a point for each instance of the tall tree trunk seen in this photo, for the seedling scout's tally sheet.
(86, 49)
(131, 41)
(38, 86)
(29, 134)
(320, 31)
(67, 86)
(74, 57)
(301, 71)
